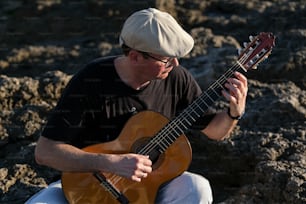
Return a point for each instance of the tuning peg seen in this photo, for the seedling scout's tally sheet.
(251, 37)
(245, 44)
(255, 67)
(239, 51)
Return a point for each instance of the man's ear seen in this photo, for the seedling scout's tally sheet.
(134, 56)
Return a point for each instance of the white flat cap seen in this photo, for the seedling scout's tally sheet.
(153, 31)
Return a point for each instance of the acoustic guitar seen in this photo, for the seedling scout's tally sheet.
(150, 133)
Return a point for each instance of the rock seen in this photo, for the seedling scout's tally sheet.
(44, 43)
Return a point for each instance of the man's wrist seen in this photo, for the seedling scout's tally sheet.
(234, 117)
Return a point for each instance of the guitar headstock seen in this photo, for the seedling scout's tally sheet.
(258, 49)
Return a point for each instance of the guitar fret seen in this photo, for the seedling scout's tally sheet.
(193, 114)
(177, 133)
(173, 133)
(209, 97)
(199, 107)
(193, 119)
(162, 146)
(182, 124)
(219, 90)
(203, 102)
(186, 122)
(168, 141)
(214, 94)
(223, 79)
(172, 138)
(220, 85)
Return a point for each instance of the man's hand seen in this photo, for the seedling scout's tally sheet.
(132, 166)
(236, 93)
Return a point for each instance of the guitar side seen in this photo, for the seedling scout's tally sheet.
(85, 188)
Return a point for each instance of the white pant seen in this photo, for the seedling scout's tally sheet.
(187, 188)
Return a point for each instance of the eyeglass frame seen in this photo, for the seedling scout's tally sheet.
(126, 49)
(167, 63)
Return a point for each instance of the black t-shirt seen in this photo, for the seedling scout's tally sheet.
(96, 103)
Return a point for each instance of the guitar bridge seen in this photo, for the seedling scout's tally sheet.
(110, 188)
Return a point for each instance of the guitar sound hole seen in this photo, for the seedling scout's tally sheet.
(155, 156)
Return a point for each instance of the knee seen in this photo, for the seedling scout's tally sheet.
(187, 188)
(201, 189)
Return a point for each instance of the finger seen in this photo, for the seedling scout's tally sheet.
(147, 169)
(145, 164)
(147, 161)
(238, 80)
(140, 175)
(144, 168)
(144, 175)
(136, 178)
(241, 77)
(233, 90)
(243, 80)
(229, 97)
(235, 82)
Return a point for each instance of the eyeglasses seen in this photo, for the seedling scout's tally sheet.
(167, 63)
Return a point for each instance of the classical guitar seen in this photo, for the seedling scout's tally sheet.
(150, 133)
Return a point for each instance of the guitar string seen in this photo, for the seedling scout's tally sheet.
(165, 133)
(114, 179)
(109, 187)
(111, 182)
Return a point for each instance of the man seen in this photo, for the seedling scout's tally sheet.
(101, 97)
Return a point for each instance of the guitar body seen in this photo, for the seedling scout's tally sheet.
(86, 188)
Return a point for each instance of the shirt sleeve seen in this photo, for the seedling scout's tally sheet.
(65, 121)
